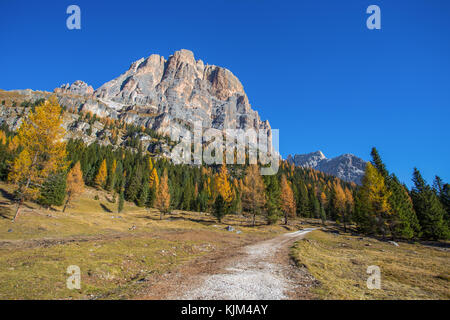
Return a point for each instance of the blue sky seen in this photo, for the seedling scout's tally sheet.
(311, 67)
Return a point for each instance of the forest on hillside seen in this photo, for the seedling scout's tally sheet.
(52, 172)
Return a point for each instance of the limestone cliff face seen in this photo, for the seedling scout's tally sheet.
(154, 92)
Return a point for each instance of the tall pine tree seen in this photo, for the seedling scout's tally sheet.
(428, 208)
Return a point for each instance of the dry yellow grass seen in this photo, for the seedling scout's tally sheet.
(339, 263)
(116, 252)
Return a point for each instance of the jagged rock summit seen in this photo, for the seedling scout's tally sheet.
(78, 87)
(346, 167)
(154, 92)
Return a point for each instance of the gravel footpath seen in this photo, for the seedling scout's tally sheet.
(255, 275)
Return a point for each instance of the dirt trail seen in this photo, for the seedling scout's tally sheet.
(260, 271)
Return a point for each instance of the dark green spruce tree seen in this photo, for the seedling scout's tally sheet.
(273, 203)
(443, 191)
(219, 208)
(143, 195)
(429, 209)
(323, 215)
(53, 191)
(121, 202)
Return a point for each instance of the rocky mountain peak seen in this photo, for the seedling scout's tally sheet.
(181, 88)
(183, 56)
(310, 160)
(78, 87)
(346, 167)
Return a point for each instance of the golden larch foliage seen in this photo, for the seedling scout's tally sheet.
(340, 200)
(43, 150)
(153, 179)
(2, 137)
(13, 144)
(162, 201)
(349, 197)
(222, 184)
(100, 178)
(114, 167)
(74, 183)
(253, 191)
(287, 199)
(323, 198)
(375, 190)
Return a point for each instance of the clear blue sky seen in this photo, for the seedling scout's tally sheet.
(311, 67)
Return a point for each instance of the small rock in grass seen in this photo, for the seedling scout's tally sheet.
(393, 243)
(10, 230)
(229, 228)
(238, 232)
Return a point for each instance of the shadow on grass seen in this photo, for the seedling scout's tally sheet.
(7, 195)
(6, 212)
(105, 208)
(206, 221)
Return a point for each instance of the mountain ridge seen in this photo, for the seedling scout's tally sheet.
(347, 167)
(156, 92)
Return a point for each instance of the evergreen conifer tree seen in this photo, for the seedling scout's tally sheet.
(428, 208)
(273, 203)
(219, 208)
(53, 191)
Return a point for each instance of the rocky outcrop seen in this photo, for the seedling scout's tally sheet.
(182, 89)
(154, 93)
(78, 88)
(310, 160)
(346, 167)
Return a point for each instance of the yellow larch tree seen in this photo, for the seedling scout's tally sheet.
(153, 178)
(287, 199)
(162, 200)
(102, 175)
(13, 144)
(43, 150)
(349, 200)
(323, 199)
(74, 184)
(2, 137)
(340, 203)
(222, 185)
(374, 209)
(253, 192)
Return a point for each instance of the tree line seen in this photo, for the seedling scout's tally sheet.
(386, 207)
(52, 172)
